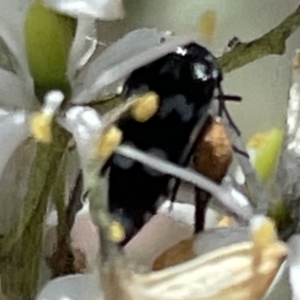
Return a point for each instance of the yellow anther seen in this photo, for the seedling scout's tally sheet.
(109, 141)
(116, 232)
(207, 25)
(40, 127)
(226, 222)
(263, 232)
(145, 107)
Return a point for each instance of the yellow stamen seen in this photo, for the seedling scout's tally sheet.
(264, 234)
(116, 232)
(40, 127)
(145, 107)
(109, 141)
(226, 222)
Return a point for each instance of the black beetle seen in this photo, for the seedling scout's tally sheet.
(186, 82)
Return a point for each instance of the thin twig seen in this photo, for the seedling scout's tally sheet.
(74, 203)
(242, 54)
(272, 42)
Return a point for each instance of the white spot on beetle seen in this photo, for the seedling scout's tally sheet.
(179, 105)
(123, 162)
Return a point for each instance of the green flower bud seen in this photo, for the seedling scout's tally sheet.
(267, 146)
(48, 38)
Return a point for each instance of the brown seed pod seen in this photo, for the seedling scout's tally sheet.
(213, 154)
(212, 157)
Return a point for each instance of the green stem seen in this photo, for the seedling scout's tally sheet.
(62, 260)
(272, 42)
(21, 249)
(59, 198)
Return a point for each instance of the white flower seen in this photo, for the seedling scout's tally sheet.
(88, 80)
(19, 105)
(17, 98)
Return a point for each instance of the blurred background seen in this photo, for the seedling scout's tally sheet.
(263, 84)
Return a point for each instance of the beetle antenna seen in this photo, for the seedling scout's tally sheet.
(234, 98)
(223, 109)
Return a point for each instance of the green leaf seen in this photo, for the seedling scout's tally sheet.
(48, 38)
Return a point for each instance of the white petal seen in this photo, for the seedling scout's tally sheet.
(98, 9)
(12, 18)
(160, 233)
(185, 213)
(294, 262)
(7, 60)
(83, 47)
(85, 237)
(181, 212)
(215, 238)
(13, 132)
(73, 287)
(239, 175)
(14, 93)
(116, 62)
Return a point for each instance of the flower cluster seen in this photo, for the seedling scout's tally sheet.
(53, 69)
